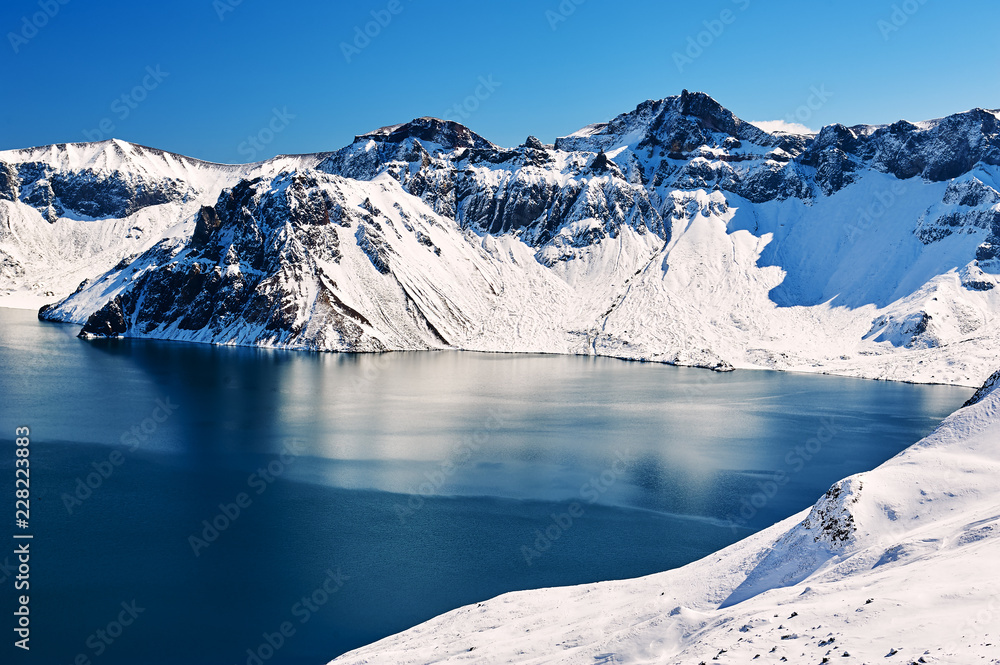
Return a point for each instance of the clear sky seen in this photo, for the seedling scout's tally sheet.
(201, 77)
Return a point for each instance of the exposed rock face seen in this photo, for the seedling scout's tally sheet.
(946, 150)
(258, 260)
(989, 251)
(679, 125)
(935, 151)
(10, 183)
(446, 133)
(109, 321)
(497, 191)
(830, 518)
(686, 142)
(84, 193)
(206, 226)
(971, 193)
(984, 391)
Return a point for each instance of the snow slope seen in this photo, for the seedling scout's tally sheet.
(73, 211)
(894, 565)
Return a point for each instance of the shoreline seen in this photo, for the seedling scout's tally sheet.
(820, 370)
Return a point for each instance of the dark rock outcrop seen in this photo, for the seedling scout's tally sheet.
(10, 183)
(85, 192)
(992, 383)
(447, 133)
(109, 321)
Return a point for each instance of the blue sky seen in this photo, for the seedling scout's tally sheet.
(201, 77)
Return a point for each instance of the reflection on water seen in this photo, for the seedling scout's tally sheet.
(420, 475)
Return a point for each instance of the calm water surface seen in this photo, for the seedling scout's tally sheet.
(406, 484)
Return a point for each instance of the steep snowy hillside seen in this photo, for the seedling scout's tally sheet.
(676, 233)
(894, 565)
(70, 212)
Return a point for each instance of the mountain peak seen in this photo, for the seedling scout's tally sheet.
(447, 133)
(713, 115)
(679, 123)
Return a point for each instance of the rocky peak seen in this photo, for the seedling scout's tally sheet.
(446, 133)
(625, 128)
(936, 150)
(837, 136)
(971, 193)
(711, 114)
(533, 142)
(678, 124)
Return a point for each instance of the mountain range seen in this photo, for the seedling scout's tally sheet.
(675, 233)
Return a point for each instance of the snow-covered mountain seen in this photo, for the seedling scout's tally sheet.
(71, 212)
(894, 565)
(676, 233)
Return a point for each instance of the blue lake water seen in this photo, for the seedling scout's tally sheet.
(377, 491)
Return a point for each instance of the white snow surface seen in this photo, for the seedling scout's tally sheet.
(895, 565)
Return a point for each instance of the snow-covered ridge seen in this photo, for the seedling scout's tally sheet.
(72, 211)
(897, 565)
(676, 232)
(115, 154)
